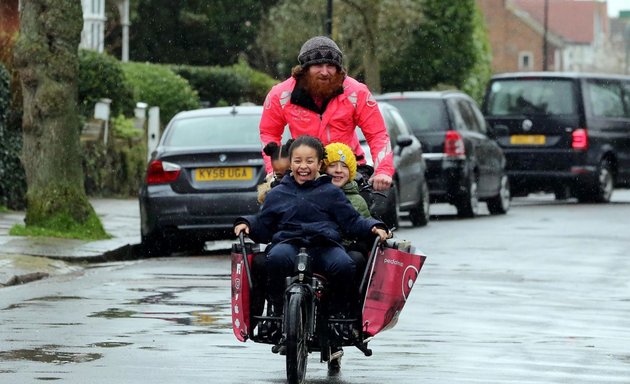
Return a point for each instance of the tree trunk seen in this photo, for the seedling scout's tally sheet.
(46, 56)
(368, 11)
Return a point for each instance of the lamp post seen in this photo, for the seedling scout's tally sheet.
(626, 40)
(123, 9)
(329, 11)
(545, 48)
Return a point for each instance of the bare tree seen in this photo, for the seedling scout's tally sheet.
(46, 56)
(369, 32)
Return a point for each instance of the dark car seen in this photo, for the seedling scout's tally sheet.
(202, 176)
(566, 133)
(464, 164)
(409, 192)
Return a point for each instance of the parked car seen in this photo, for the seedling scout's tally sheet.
(409, 192)
(566, 133)
(202, 176)
(464, 164)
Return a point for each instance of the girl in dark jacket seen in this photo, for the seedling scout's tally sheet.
(307, 210)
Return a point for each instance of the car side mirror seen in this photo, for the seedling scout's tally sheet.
(404, 141)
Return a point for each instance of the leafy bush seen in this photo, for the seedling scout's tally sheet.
(159, 86)
(220, 86)
(481, 71)
(215, 85)
(258, 85)
(114, 170)
(101, 76)
(124, 128)
(5, 93)
(449, 46)
(12, 178)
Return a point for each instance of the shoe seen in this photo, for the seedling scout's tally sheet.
(335, 353)
(279, 349)
(334, 362)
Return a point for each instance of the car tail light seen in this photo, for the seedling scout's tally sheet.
(454, 145)
(580, 139)
(162, 172)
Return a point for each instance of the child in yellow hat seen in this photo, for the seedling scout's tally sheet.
(341, 164)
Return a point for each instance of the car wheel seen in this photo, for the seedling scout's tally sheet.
(390, 217)
(601, 190)
(468, 203)
(500, 203)
(419, 215)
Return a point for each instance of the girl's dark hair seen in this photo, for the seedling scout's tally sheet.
(275, 152)
(309, 141)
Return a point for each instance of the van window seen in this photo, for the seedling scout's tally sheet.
(626, 96)
(456, 115)
(423, 115)
(531, 97)
(468, 115)
(605, 98)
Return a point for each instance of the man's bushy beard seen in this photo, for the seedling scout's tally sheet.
(322, 90)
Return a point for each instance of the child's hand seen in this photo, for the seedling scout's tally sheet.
(381, 233)
(240, 228)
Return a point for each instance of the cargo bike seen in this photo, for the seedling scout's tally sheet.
(306, 325)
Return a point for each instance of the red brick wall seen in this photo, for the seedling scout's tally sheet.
(509, 35)
(9, 26)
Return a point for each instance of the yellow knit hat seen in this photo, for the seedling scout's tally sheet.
(341, 152)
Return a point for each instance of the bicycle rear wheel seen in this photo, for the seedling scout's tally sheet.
(297, 349)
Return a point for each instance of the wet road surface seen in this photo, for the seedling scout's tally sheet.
(540, 295)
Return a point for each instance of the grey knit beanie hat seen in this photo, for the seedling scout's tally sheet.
(318, 50)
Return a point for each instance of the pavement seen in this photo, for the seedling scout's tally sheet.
(24, 259)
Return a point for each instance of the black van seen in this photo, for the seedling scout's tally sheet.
(568, 133)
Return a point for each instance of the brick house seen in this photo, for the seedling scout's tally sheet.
(9, 25)
(577, 34)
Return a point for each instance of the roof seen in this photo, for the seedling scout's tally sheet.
(418, 94)
(566, 75)
(216, 111)
(575, 21)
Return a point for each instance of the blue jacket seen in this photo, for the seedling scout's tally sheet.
(314, 212)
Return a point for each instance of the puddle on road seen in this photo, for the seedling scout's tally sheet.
(195, 318)
(41, 300)
(49, 354)
(114, 313)
(210, 318)
(110, 344)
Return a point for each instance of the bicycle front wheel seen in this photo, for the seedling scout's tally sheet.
(297, 349)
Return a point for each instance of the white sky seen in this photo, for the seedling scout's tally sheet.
(614, 6)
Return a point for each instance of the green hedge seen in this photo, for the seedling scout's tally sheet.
(220, 86)
(114, 170)
(5, 93)
(12, 178)
(101, 76)
(159, 86)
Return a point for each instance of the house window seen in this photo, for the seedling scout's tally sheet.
(525, 61)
